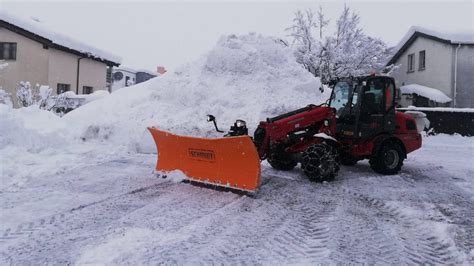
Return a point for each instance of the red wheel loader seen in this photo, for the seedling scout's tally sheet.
(358, 122)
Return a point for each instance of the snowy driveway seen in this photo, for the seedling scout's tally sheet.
(118, 212)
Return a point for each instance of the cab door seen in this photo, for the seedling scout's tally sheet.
(377, 107)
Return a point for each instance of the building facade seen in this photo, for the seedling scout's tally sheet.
(124, 77)
(443, 62)
(38, 59)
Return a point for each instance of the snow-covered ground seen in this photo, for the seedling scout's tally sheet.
(81, 189)
(116, 211)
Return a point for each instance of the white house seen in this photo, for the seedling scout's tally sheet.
(435, 69)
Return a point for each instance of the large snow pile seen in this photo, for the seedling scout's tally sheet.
(249, 77)
(430, 93)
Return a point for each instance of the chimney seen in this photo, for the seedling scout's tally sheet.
(161, 70)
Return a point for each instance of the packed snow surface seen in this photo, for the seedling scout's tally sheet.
(430, 93)
(115, 211)
(41, 29)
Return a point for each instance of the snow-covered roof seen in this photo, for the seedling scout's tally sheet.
(135, 71)
(126, 69)
(430, 93)
(149, 72)
(447, 37)
(58, 40)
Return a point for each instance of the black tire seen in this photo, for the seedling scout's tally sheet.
(388, 160)
(348, 160)
(281, 162)
(320, 163)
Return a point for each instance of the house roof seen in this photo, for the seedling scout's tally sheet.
(444, 37)
(39, 32)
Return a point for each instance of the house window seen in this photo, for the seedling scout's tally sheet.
(87, 90)
(62, 88)
(422, 60)
(411, 62)
(8, 50)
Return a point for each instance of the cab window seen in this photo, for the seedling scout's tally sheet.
(373, 96)
(340, 96)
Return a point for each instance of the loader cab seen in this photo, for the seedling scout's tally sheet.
(365, 106)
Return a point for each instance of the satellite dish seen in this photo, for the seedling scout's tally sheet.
(118, 76)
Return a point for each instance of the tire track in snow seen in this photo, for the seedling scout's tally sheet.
(294, 232)
(26, 229)
(454, 204)
(420, 245)
(194, 234)
(305, 237)
(361, 235)
(247, 231)
(72, 228)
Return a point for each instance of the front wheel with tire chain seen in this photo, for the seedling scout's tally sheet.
(388, 160)
(320, 163)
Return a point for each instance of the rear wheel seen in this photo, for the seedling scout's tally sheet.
(281, 161)
(319, 162)
(388, 160)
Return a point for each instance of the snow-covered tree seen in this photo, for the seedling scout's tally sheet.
(306, 45)
(347, 52)
(44, 97)
(40, 95)
(24, 94)
(321, 21)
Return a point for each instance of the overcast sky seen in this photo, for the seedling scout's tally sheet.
(150, 33)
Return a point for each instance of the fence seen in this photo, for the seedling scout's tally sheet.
(448, 120)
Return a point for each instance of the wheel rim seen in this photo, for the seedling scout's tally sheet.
(391, 159)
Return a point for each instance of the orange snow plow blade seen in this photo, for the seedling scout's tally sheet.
(230, 162)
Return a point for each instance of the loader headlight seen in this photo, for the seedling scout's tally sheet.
(326, 123)
(240, 123)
